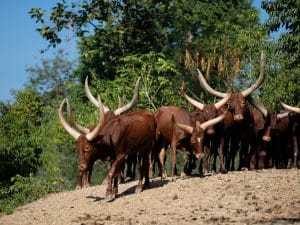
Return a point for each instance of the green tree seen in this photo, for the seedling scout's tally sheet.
(112, 30)
(21, 145)
(285, 14)
(53, 77)
(284, 64)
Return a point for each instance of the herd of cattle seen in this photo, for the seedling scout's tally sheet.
(235, 124)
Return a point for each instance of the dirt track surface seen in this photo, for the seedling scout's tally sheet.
(248, 197)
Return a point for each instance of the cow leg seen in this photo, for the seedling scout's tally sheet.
(79, 182)
(221, 157)
(234, 145)
(296, 150)
(144, 168)
(113, 172)
(151, 162)
(206, 159)
(224, 144)
(161, 162)
(173, 150)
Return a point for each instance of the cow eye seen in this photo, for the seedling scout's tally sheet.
(87, 148)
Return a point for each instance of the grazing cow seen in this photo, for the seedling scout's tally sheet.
(114, 140)
(175, 128)
(236, 123)
(205, 112)
(85, 143)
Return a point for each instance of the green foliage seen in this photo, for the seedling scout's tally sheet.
(160, 77)
(24, 190)
(20, 145)
(285, 14)
(281, 83)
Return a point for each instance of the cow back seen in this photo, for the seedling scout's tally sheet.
(165, 125)
(130, 133)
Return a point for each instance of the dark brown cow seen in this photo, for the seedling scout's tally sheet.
(83, 137)
(236, 124)
(129, 134)
(175, 128)
(114, 140)
(132, 160)
(204, 113)
(85, 142)
(283, 134)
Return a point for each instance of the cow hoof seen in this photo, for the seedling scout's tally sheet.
(183, 175)
(110, 198)
(138, 189)
(224, 171)
(78, 187)
(164, 176)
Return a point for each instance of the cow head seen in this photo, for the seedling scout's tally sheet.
(197, 133)
(275, 120)
(208, 112)
(238, 103)
(85, 139)
(272, 126)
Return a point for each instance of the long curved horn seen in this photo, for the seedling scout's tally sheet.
(223, 101)
(213, 121)
(195, 103)
(133, 101)
(258, 105)
(74, 133)
(186, 128)
(282, 115)
(91, 135)
(205, 86)
(91, 97)
(290, 108)
(260, 79)
(79, 128)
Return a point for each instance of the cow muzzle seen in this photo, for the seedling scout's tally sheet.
(200, 155)
(238, 117)
(82, 167)
(266, 138)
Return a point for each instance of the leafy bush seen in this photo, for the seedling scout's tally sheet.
(25, 190)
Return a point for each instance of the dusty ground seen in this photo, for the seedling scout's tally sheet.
(249, 197)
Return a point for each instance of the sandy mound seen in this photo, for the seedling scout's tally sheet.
(249, 197)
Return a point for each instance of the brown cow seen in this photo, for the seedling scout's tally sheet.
(85, 142)
(81, 133)
(175, 128)
(204, 113)
(116, 139)
(132, 160)
(283, 132)
(237, 122)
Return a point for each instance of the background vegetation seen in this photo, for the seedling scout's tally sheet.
(118, 41)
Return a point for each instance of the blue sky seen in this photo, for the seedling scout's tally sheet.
(20, 44)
